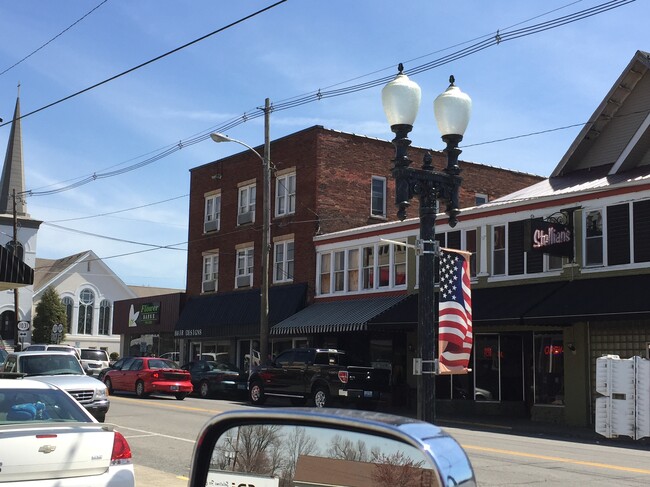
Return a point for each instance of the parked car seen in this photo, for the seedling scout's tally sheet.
(64, 370)
(93, 360)
(117, 365)
(3, 356)
(149, 375)
(211, 378)
(48, 438)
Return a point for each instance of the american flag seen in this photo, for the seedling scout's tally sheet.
(455, 312)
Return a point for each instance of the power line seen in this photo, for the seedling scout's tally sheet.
(483, 43)
(146, 63)
(53, 38)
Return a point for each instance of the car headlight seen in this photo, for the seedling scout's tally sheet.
(101, 393)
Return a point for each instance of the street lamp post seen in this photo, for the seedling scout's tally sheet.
(266, 233)
(401, 100)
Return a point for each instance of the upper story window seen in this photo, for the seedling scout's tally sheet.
(283, 265)
(370, 267)
(246, 205)
(16, 248)
(212, 217)
(104, 317)
(499, 250)
(285, 194)
(593, 238)
(244, 277)
(210, 272)
(85, 321)
(470, 246)
(378, 197)
(480, 199)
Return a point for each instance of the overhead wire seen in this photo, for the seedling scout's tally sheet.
(486, 42)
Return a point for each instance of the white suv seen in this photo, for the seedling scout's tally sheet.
(93, 360)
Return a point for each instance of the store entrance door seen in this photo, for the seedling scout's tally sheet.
(195, 350)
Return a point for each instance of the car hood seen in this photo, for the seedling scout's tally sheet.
(69, 381)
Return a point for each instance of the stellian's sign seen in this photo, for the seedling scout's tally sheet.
(549, 238)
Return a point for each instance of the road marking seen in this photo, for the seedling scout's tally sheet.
(557, 459)
(167, 405)
(151, 433)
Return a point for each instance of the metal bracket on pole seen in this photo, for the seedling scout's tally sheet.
(417, 367)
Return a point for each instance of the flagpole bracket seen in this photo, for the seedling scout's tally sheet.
(418, 367)
(420, 250)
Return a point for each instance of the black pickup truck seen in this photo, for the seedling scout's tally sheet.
(320, 376)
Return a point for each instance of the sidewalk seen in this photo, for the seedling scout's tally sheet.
(149, 477)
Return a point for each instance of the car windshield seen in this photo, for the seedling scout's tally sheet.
(94, 355)
(50, 365)
(162, 363)
(38, 405)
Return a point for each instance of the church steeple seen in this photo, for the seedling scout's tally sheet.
(13, 171)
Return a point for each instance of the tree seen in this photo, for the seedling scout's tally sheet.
(49, 311)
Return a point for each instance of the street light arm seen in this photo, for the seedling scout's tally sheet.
(217, 137)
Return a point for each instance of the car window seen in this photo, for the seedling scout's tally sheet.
(94, 355)
(135, 365)
(162, 364)
(127, 363)
(285, 358)
(301, 357)
(225, 366)
(40, 405)
(50, 364)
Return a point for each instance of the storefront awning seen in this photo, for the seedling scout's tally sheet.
(14, 272)
(237, 314)
(563, 302)
(350, 315)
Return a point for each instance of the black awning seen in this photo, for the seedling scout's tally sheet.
(563, 302)
(237, 314)
(595, 299)
(14, 272)
(346, 315)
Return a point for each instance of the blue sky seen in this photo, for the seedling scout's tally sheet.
(535, 83)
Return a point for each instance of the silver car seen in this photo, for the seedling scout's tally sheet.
(63, 370)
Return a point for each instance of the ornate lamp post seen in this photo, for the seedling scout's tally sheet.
(401, 100)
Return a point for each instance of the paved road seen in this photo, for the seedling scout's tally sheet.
(149, 477)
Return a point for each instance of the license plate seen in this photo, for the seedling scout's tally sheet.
(174, 388)
(367, 393)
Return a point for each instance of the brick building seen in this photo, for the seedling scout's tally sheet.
(323, 181)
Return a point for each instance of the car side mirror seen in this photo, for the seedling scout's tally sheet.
(338, 447)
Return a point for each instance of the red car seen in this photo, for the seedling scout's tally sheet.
(149, 375)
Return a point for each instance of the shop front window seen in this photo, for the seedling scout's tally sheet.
(549, 369)
(487, 366)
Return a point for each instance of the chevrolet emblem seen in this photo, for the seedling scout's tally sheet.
(47, 449)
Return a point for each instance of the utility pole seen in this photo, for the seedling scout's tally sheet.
(266, 238)
(15, 251)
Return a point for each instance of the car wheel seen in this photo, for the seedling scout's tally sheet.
(109, 386)
(321, 397)
(298, 401)
(139, 389)
(256, 393)
(204, 389)
(181, 395)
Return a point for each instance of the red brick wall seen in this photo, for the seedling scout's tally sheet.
(333, 177)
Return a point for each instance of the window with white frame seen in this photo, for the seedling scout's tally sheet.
(370, 267)
(69, 307)
(246, 205)
(378, 197)
(285, 194)
(283, 261)
(210, 272)
(244, 276)
(86, 305)
(212, 217)
(104, 317)
(480, 199)
(593, 238)
(499, 250)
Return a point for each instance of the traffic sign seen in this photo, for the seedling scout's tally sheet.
(23, 325)
(22, 334)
